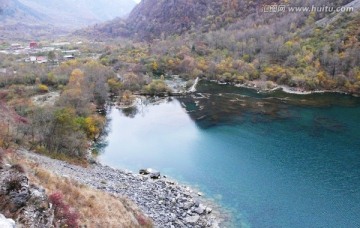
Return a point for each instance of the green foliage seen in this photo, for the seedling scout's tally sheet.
(91, 125)
(155, 87)
(114, 85)
(65, 120)
(42, 88)
(105, 61)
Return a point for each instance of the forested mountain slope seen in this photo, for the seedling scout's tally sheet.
(308, 50)
(157, 18)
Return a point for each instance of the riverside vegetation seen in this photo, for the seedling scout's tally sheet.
(58, 111)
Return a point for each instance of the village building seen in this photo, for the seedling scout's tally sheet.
(48, 49)
(32, 58)
(68, 57)
(33, 45)
(71, 52)
(60, 44)
(16, 46)
(41, 59)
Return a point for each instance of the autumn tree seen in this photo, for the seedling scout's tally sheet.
(132, 81)
(76, 94)
(66, 136)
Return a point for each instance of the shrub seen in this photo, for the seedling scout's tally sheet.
(43, 88)
(57, 199)
(13, 184)
(91, 125)
(127, 98)
(143, 221)
(67, 215)
(18, 168)
(156, 86)
(114, 85)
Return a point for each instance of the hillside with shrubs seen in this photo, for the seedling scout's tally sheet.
(236, 42)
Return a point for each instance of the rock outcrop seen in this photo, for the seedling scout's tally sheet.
(22, 201)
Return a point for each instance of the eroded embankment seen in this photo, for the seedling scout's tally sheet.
(166, 202)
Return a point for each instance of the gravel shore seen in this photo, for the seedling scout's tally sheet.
(168, 203)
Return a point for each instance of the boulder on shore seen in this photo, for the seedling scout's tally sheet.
(145, 171)
(153, 174)
(192, 219)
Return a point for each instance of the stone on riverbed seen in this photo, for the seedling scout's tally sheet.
(187, 205)
(200, 210)
(155, 175)
(192, 219)
(145, 171)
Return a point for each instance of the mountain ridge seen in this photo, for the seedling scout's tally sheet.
(154, 19)
(36, 15)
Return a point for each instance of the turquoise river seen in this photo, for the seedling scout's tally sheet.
(271, 159)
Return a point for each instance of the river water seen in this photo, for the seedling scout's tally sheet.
(273, 160)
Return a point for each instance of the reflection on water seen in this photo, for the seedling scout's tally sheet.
(275, 160)
(211, 106)
(130, 112)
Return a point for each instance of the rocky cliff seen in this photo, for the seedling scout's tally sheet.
(25, 203)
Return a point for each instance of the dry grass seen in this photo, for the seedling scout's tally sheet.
(62, 157)
(2, 155)
(96, 208)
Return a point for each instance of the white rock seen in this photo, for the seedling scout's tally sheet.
(6, 223)
(192, 219)
(208, 210)
(200, 210)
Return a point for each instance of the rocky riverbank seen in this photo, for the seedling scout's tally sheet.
(267, 86)
(169, 204)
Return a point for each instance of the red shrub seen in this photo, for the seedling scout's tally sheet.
(20, 119)
(71, 217)
(3, 95)
(63, 211)
(142, 220)
(57, 199)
